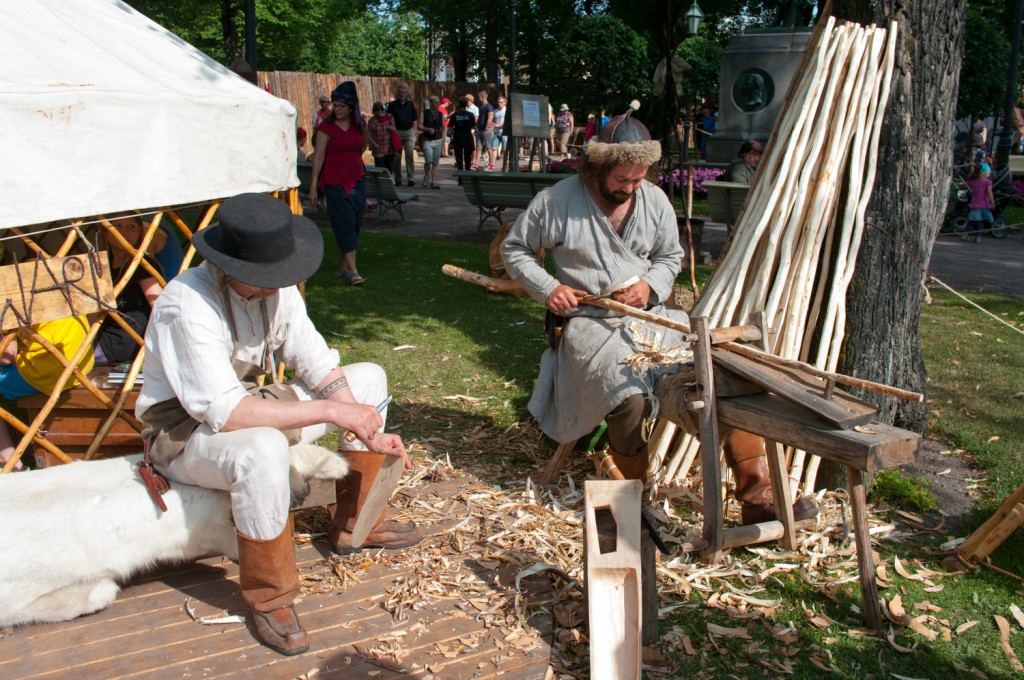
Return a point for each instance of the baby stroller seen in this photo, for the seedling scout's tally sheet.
(960, 198)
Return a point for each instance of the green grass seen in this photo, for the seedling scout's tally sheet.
(486, 347)
(897, 489)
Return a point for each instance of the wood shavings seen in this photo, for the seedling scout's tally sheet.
(964, 627)
(212, 620)
(723, 632)
(1017, 614)
(1004, 640)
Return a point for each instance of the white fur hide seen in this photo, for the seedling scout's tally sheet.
(69, 534)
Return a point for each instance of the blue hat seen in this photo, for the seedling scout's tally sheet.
(986, 168)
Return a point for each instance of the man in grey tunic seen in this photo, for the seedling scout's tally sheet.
(608, 229)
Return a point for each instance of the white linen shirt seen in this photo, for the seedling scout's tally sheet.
(189, 345)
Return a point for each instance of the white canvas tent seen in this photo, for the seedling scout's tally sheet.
(103, 110)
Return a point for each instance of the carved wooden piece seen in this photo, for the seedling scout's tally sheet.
(384, 484)
(55, 288)
(613, 577)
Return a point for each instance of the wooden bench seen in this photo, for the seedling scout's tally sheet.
(381, 186)
(494, 192)
(725, 201)
(1016, 166)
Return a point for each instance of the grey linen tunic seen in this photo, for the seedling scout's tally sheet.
(581, 382)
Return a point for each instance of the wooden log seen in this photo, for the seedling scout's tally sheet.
(612, 561)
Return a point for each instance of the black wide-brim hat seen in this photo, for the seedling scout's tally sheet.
(259, 242)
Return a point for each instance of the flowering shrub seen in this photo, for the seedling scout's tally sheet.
(1018, 197)
(700, 175)
(569, 166)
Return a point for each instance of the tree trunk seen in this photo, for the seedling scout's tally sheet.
(908, 202)
(491, 44)
(229, 31)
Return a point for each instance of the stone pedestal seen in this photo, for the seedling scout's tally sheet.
(756, 73)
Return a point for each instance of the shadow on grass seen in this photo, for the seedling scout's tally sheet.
(456, 338)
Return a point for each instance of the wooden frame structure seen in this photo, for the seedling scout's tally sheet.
(113, 402)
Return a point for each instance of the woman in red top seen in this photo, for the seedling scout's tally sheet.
(338, 172)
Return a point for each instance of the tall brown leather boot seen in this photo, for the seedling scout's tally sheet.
(269, 581)
(352, 490)
(632, 467)
(745, 455)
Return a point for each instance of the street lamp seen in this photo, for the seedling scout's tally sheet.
(693, 18)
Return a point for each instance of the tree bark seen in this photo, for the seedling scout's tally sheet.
(905, 213)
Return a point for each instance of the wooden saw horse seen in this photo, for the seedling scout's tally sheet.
(787, 406)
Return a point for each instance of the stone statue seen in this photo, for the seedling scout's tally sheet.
(795, 13)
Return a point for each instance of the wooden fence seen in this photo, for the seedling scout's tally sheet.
(303, 90)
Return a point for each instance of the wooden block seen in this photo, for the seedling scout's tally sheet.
(384, 484)
(842, 410)
(36, 290)
(875, 446)
(612, 557)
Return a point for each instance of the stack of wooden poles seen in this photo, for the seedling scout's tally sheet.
(793, 251)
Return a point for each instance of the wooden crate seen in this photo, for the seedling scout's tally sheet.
(75, 420)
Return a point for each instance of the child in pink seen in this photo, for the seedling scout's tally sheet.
(979, 219)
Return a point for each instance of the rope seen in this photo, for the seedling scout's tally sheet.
(975, 305)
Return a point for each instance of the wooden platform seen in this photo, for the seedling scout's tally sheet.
(460, 627)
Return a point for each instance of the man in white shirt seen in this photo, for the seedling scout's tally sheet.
(213, 332)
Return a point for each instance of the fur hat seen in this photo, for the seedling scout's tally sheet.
(624, 141)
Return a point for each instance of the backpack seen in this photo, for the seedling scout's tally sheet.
(562, 122)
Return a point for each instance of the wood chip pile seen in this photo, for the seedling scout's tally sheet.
(491, 539)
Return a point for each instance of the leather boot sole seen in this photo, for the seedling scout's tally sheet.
(280, 630)
(387, 535)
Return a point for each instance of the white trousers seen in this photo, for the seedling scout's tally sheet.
(252, 464)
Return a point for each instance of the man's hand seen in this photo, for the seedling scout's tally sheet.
(390, 445)
(563, 298)
(636, 295)
(360, 419)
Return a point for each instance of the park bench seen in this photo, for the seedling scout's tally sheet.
(725, 201)
(1017, 166)
(494, 192)
(381, 186)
